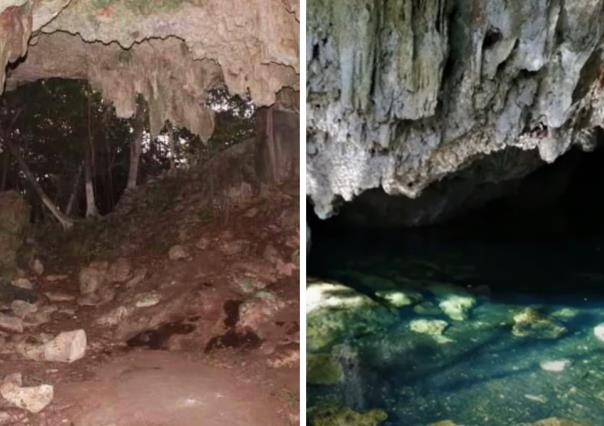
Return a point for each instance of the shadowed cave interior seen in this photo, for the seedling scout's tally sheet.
(477, 303)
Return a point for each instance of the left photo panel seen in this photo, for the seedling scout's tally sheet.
(149, 212)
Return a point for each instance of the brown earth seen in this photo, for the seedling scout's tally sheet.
(214, 339)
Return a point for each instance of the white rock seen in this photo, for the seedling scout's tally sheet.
(599, 332)
(398, 298)
(431, 327)
(556, 366)
(58, 296)
(177, 253)
(23, 283)
(456, 307)
(22, 308)
(146, 300)
(33, 399)
(10, 323)
(68, 346)
(37, 267)
(114, 317)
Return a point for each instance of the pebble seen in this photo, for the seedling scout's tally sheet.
(554, 366)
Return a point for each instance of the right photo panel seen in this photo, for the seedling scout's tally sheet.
(455, 223)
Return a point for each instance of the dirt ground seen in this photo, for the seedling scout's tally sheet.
(198, 326)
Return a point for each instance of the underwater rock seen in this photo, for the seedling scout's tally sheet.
(335, 311)
(399, 298)
(444, 423)
(599, 332)
(146, 300)
(431, 327)
(344, 416)
(457, 307)
(532, 323)
(323, 369)
(427, 308)
(554, 366)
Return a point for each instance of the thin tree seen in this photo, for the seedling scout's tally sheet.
(74, 190)
(91, 209)
(65, 222)
(136, 147)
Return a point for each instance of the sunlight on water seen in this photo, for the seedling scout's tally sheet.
(473, 333)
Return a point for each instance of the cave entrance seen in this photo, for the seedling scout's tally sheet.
(483, 299)
(159, 255)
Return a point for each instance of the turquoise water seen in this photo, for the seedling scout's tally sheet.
(484, 371)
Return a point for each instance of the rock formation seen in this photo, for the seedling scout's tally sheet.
(170, 51)
(403, 93)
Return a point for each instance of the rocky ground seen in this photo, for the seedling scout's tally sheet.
(170, 310)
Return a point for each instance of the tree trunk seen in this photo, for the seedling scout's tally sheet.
(136, 146)
(5, 166)
(65, 222)
(173, 152)
(91, 209)
(74, 191)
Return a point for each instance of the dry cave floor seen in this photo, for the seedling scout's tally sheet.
(456, 333)
(190, 313)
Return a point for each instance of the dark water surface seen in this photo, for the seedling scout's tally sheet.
(481, 371)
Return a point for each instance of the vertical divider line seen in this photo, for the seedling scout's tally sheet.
(302, 66)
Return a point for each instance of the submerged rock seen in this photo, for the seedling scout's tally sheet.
(335, 311)
(457, 307)
(532, 323)
(323, 369)
(552, 421)
(554, 366)
(399, 298)
(347, 417)
(599, 332)
(431, 327)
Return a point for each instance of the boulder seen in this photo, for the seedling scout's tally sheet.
(68, 346)
(33, 399)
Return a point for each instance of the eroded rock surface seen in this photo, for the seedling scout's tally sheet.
(171, 52)
(401, 94)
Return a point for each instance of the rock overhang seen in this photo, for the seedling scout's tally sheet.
(172, 52)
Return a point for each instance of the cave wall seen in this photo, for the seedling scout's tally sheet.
(170, 51)
(403, 93)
